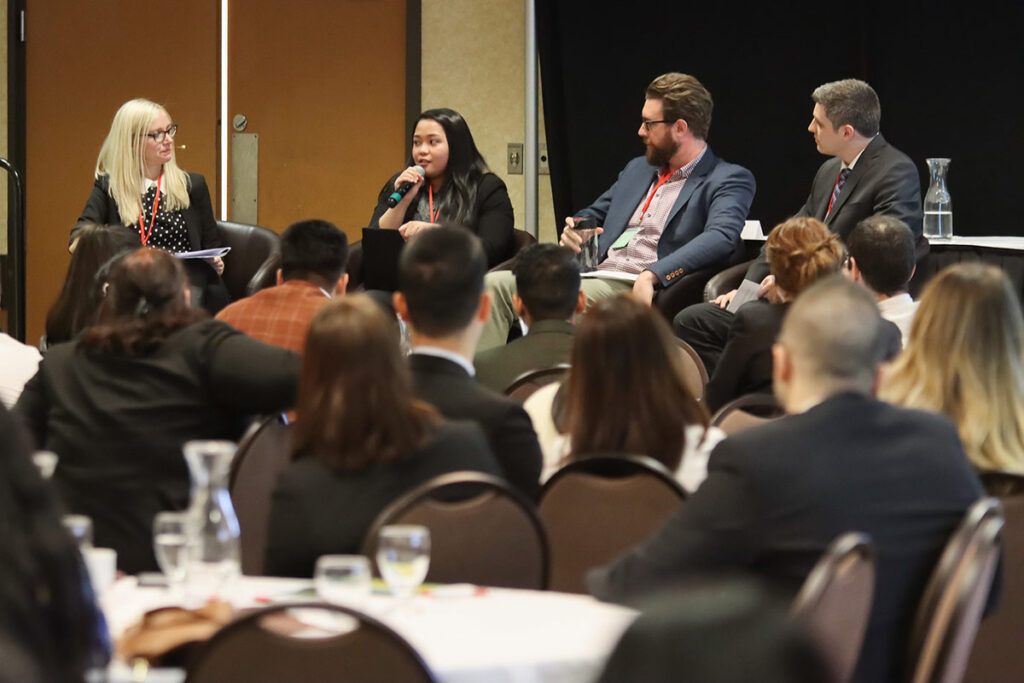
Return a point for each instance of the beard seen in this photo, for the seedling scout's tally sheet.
(660, 156)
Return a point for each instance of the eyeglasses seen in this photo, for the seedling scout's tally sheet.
(647, 124)
(161, 135)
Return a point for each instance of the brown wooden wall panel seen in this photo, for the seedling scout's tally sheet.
(322, 82)
(85, 59)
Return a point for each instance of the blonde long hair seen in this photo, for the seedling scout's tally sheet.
(123, 160)
(964, 360)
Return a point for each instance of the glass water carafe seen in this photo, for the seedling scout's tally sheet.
(213, 552)
(938, 205)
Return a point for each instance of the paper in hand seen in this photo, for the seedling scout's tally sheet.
(204, 253)
(747, 292)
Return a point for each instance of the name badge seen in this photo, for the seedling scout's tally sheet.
(624, 238)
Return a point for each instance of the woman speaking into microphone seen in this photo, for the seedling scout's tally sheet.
(447, 182)
(139, 184)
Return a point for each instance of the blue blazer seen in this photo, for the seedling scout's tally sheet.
(704, 225)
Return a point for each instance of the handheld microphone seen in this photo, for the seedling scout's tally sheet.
(403, 189)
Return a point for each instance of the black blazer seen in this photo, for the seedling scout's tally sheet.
(508, 428)
(118, 423)
(776, 495)
(884, 181)
(199, 220)
(316, 511)
(495, 219)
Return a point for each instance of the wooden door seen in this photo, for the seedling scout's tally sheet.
(83, 61)
(322, 83)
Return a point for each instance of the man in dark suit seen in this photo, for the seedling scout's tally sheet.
(778, 494)
(864, 176)
(547, 296)
(677, 209)
(440, 296)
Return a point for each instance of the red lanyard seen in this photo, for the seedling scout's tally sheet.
(143, 233)
(430, 195)
(661, 181)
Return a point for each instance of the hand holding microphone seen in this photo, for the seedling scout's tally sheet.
(409, 178)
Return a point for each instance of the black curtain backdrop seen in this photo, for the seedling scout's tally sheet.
(950, 79)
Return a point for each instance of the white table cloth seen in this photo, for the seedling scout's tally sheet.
(501, 635)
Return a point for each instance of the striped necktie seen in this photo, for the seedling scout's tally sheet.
(838, 188)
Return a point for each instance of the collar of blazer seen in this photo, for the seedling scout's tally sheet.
(696, 179)
(865, 165)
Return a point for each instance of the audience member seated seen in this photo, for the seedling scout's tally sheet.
(18, 362)
(442, 300)
(800, 251)
(455, 187)
(625, 393)
(82, 292)
(360, 439)
(548, 295)
(777, 494)
(722, 631)
(963, 359)
(118, 403)
(50, 627)
(313, 256)
(881, 252)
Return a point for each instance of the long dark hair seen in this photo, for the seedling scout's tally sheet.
(144, 304)
(355, 405)
(80, 296)
(47, 610)
(465, 167)
(626, 388)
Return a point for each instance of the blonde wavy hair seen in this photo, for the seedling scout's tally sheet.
(963, 359)
(800, 251)
(123, 160)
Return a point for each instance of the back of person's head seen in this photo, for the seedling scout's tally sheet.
(726, 631)
(850, 102)
(44, 592)
(626, 389)
(963, 359)
(833, 335)
(145, 302)
(683, 97)
(800, 251)
(355, 404)
(313, 249)
(548, 281)
(883, 249)
(81, 294)
(441, 275)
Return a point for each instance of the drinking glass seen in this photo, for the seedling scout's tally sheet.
(80, 528)
(343, 579)
(587, 229)
(170, 543)
(403, 556)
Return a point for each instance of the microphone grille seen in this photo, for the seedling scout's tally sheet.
(419, 169)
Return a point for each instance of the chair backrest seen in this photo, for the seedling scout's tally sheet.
(254, 259)
(307, 642)
(1002, 484)
(997, 656)
(523, 386)
(596, 507)
(725, 281)
(520, 240)
(263, 453)
(835, 601)
(747, 411)
(482, 531)
(951, 606)
(695, 375)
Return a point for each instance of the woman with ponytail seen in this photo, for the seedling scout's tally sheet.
(117, 404)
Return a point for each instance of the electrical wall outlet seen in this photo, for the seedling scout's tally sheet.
(515, 158)
(542, 160)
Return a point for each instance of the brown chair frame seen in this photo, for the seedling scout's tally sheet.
(690, 353)
(373, 652)
(951, 606)
(755, 408)
(523, 386)
(260, 457)
(454, 489)
(580, 542)
(828, 603)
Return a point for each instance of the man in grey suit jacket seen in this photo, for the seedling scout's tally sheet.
(547, 297)
(677, 209)
(864, 176)
(778, 494)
